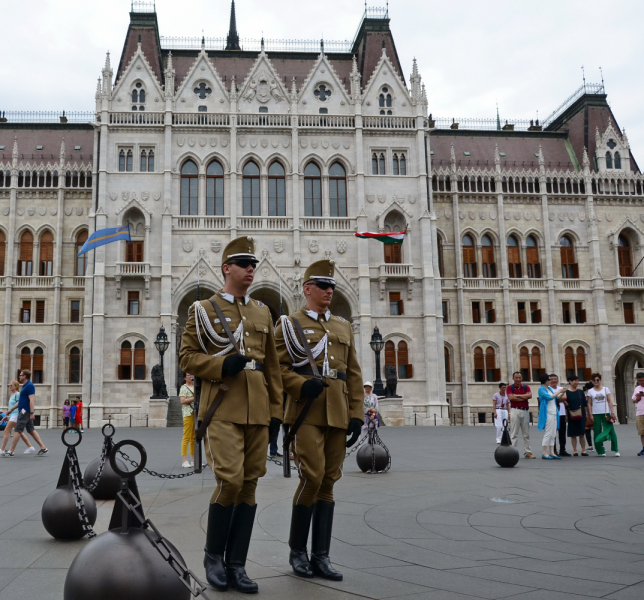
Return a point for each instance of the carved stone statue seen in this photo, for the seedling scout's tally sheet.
(391, 378)
(159, 389)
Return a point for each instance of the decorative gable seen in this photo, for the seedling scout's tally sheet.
(263, 89)
(202, 89)
(612, 151)
(138, 88)
(386, 94)
(323, 89)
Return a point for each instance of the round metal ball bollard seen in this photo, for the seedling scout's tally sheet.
(365, 458)
(124, 567)
(506, 455)
(60, 515)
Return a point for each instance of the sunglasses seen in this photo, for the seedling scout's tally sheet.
(596, 379)
(323, 285)
(244, 264)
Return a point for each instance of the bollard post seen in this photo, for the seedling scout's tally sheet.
(434, 419)
(89, 416)
(130, 421)
(147, 420)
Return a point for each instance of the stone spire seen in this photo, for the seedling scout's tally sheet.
(62, 153)
(232, 41)
(452, 157)
(169, 78)
(586, 161)
(108, 75)
(598, 137)
(355, 80)
(416, 90)
(294, 90)
(541, 160)
(233, 89)
(97, 96)
(497, 156)
(14, 154)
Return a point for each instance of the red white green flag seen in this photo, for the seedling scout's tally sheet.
(385, 238)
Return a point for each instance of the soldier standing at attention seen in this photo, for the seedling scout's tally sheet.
(236, 437)
(337, 411)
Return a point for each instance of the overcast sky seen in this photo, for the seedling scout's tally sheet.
(471, 53)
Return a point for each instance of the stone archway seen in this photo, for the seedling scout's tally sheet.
(340, 306)
(627, 365)
(271, 298)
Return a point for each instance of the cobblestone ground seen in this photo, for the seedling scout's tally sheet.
(431, 529)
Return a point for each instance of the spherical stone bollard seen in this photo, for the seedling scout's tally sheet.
(60, 515)
(117, 566)
(506, 455)
(108, 485)
(364, 458)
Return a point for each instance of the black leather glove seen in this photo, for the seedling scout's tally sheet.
(312, 388)
(234, 364)
(354, 429)
(274, 428)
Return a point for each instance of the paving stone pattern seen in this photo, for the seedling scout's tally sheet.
(427, 530)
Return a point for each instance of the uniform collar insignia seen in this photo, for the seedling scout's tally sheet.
(314, 315)
(230, 298)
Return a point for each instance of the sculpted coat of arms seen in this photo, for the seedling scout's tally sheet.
(263, 86)
(278, 245)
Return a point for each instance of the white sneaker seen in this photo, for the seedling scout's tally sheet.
(192, 464)
(498, 441)
(30, 450)
(2, 452)
(186, 464)
(617, 454)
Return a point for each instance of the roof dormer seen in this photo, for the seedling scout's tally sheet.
(612, 151)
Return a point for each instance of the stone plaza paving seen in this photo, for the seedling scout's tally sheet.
(427, 530)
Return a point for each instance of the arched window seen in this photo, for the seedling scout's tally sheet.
(569, 268)
(122, 161)
(3, 246)
(405, 370)
(252, 203)
(479, 364)
(390, 354)
(75, 365)
(469, 257)
(338, 190)
(312, 191)
(582, 372)
(189, 188)
(139, 360)
(536, 364)
(489, 266)
(618, 161)
(514, 257)
(534, 266)
(374, 164)
(125, 364)
(68, 179)
(25, 361)
(396, 165)
(385, 100)
(129, 161)
(81, 182)
(441, 259)
(609, 160)
(47, 254)
(403, 165)
(448, 364)
(381, 164)
(26, 254)
(41, 179)
(135, 96)
(144, 161)
(576, 363)
(215, 189)
(142, 96)
(276, 190)
(151, 161)
(625, 256)
(38, 365)
(524, 363)
(81, 261)
(485, 365)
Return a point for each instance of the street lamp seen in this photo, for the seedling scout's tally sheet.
(377, 345)
(162, 343)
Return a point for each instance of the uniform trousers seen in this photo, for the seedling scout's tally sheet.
(319, 454)
(520, 422)
(237, 456)
(501, 415)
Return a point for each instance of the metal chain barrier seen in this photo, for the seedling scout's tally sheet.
(75, 475)
(104, 454)
(154, 473)
(279, 463)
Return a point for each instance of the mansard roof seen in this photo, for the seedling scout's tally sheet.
(50, 137)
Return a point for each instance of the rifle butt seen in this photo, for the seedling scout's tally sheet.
(198, 445)
(286, 451)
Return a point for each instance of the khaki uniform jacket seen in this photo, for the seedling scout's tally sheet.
(339, 402)
(254, 396)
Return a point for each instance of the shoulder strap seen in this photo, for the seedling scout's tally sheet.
(307, 348)
(225, 325)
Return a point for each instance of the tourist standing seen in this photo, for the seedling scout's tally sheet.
(519, 396)
(638, 400)
(370, 406)
(187, 397)
(603, 414)
(12, 418)
(67, 411)
(575, 403)
(26, 408)
(589, 420)
(500, 405)
(79, 414)
(548, 418)
(72, 416)
(561, 426)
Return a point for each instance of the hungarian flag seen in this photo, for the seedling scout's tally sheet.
(385, 238)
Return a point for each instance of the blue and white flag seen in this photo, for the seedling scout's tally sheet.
(105, 236)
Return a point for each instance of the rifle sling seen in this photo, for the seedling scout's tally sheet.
(221, 392)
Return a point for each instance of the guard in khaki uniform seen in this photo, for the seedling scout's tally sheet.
(238, 433)
(319, 446)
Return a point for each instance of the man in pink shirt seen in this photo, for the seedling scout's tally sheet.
(638, 399)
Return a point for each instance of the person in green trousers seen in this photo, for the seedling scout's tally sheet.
(603, 413)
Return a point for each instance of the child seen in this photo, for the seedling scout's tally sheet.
(72, 414)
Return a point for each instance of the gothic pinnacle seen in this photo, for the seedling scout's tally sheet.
(232, 41)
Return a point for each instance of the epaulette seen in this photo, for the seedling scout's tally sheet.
(341, 319)
(260, 303)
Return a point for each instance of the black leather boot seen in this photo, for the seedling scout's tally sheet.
(241, 528)
(300, 524)
(218, 526)
(321, 542)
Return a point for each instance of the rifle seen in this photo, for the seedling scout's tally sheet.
(286, 458)
(197, 447)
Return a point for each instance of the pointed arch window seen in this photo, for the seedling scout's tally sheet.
(81, 261)
(144, 161)
(252, 198)
(609, 160)
(390, 353)
(625, 256)
(381, 164)
(469, 257)
(25, 360)
(396, 165)
(47, 254)
(3, 245)
(26, 254)
(514, 258)
(374, 164)
(385, 99)
(276, 190)
(485, 365)
(189, 188)
(75, 365)
(125, 363)
(532, 252)
(38, 365)
(569, 268)
(536, 363)
(312, 191)
(489, 265)
(151, 161)
(405, 369)
(403, 165)
(122, 161)
(618, 160)
(524, 363)
(215, 189)
(129, 161)
(338, 190)
(576, 363)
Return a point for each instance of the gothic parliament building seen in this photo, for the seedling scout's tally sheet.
(522, 248)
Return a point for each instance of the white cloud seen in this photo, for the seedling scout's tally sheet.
(471, 53)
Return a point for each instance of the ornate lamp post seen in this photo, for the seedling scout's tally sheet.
(162, 343)
(377, 345)
(159, 389)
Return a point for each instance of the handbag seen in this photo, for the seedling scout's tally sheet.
(575, 415)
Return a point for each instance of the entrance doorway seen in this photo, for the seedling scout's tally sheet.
(627, 366)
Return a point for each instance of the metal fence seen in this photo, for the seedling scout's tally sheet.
(255, 45)
(44, 116)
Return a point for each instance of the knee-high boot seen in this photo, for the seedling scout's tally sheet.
(300, 525)
(321, 542)
(219, 518)
(239, 535)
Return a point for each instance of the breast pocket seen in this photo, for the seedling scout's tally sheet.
(345, 344)
(261, 332)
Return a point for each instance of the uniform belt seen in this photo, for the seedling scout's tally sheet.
(254, 365)
(333, 373)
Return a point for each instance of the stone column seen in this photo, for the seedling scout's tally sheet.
(201, 195)
(505, 274)
(296, 199)
(549, 274)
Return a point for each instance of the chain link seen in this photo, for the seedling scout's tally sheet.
(154, 473)
(280, 463)
(356, 446)
(101, 466)
(74, 472)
